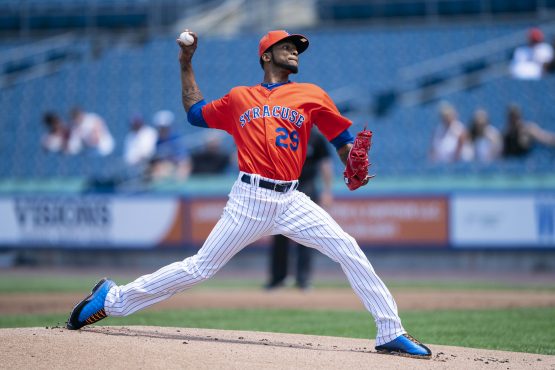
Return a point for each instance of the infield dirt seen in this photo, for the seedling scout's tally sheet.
(181, 348)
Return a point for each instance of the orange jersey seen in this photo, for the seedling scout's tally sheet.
(271, 128)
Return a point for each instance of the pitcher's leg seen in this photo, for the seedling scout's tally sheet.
(158, 286)
(231, 234)
(374, 294)
(308, 224)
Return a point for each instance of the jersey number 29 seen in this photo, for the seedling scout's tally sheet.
(284, 135)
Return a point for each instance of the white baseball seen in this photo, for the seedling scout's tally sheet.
(187, 38)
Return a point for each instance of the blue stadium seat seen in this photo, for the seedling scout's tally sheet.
(125, 81)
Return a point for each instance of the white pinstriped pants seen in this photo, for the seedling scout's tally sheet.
(251, 213)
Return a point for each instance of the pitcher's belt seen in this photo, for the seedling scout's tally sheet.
(279, 187)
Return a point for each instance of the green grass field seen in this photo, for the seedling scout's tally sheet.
(60, 283)
(523, 329)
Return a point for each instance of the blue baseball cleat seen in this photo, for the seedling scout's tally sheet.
(90, 309)
(407, 346)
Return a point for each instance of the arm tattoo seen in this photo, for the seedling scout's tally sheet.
(190, 96)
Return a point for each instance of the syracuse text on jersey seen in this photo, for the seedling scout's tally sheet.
(276, 111)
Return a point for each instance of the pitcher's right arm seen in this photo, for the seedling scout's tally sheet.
(190, 92)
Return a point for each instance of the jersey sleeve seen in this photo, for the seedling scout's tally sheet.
(217, 113)
(194, 115)
(328, 119)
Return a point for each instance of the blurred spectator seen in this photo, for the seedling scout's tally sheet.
(486, 141)
(318, 164)
(171, 159)
(90, 131)
(519, 135)
(530, 61)
(450, 139)
(57, 134)
(550, 68)
(212, 158)
(140, 142)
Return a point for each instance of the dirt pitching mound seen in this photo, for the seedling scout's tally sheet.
(182, 348)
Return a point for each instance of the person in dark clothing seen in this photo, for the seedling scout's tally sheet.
(54, 140)
(318, 162)
(211, 159)
(519, 135)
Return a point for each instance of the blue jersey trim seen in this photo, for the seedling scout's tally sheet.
(342, 139)
(194, 115)
(270, 86)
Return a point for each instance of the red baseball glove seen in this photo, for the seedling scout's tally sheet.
(356, 171)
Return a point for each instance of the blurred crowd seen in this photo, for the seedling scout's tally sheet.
(480, 141)
(152, 152)
(533, 60)
(86, 132)
(155, 150)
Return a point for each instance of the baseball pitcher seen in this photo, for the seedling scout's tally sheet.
(270, 124)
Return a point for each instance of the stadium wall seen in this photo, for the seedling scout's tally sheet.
(463, 220)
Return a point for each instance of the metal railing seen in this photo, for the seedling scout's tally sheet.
(489, 51)
(459, 70)
(39, 58)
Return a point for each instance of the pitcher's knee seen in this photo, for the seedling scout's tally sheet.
(351, 249)
(349, 243)
(201, 270)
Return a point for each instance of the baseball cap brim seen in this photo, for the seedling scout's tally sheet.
(274, 37)
(300, 42)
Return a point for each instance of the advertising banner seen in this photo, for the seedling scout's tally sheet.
(203, 215)
(96, 221)
(526, 220)
(395, 221)
(406, 221)
(470, 220)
